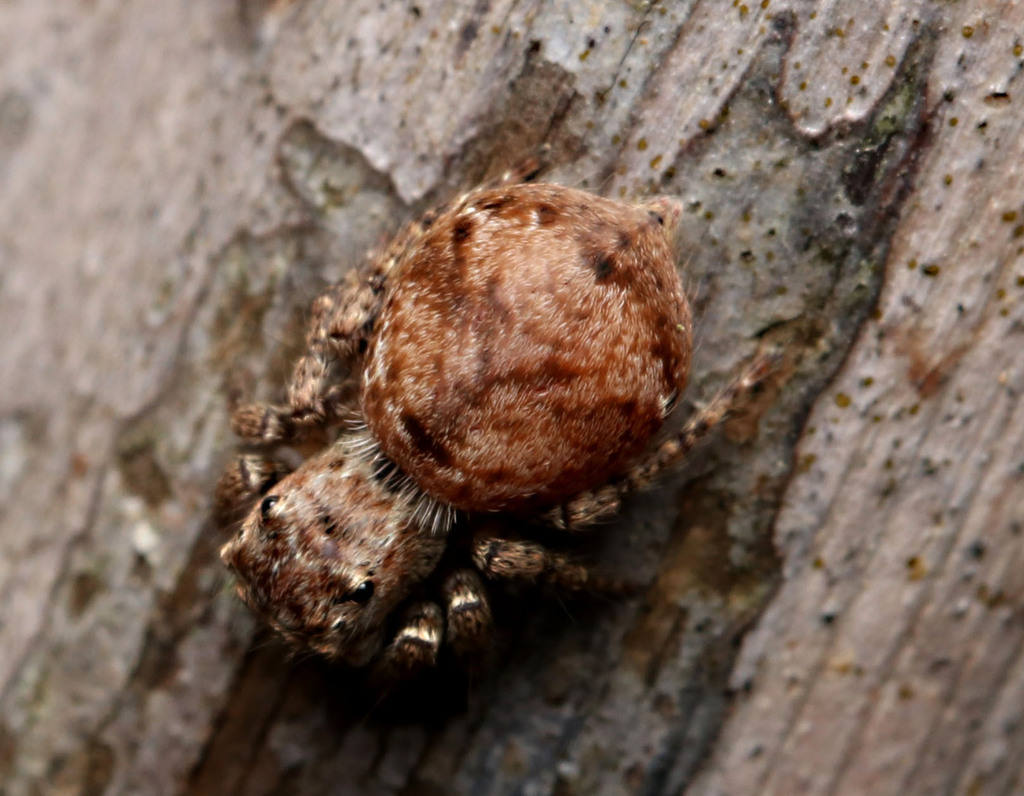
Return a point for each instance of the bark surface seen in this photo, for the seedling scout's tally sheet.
(831, 591)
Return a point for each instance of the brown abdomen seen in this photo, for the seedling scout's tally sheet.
(528, 345)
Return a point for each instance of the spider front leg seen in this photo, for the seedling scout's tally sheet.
(414, 647)
(596, 505)
(341, 323)
(468, 615)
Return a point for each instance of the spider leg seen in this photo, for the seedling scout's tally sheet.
(602, 503)
(338, 331)
(414, 647)
(520, 559)
(524, 170)
(468, 614)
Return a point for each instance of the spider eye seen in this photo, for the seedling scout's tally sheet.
(362, 593)
(266, 505)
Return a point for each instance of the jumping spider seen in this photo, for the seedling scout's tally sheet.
(516, 351)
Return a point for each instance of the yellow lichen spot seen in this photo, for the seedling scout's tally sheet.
(844, 664)
(828, 102)
(781, 290)
(818, 563)
(912, 265)
(765, 3)
(623, 83)
(967, 31)
(1020, 281)
(744, 11)
(864, 64)
(916, 568)
(704, 124)
(616, 139)
(803, 85)
(890, 60)
(1000, 294)
(905, 692)
(912, 411)
(992, 599)
(641, 144)
(867, 381)
(954, 122)
(1018, 50)
(842, 400)
(655, 161)
(930, 270)
(584, 55)
(1004, 311)
(1010, 216)
(855, 80)
(708, 215)
(844, 70)
(948, 179)
(805, 463)
(496, 29)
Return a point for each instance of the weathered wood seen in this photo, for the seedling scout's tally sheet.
(831, 594)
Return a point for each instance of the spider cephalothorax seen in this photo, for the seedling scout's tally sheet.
(522, 347)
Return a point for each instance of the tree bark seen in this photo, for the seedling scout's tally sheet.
(831, 590)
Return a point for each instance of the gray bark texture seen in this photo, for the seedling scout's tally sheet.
(831, 590)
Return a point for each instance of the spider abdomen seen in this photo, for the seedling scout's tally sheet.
(528, 345)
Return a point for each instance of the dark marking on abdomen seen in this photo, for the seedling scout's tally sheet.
(462, 230)
(424, 441)
(601, 262)
(546, 214)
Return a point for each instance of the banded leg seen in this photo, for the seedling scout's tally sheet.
(341, 323)
(469, 620)
(518, 559)
(414, 647)
(339, 331)
(523, 171)
(600, 504)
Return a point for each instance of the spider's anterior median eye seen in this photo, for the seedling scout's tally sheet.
(363, 592)
(266, 505)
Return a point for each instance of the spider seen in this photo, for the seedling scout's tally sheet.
(510, 358)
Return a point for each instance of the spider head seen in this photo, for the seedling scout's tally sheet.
(327, 554)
